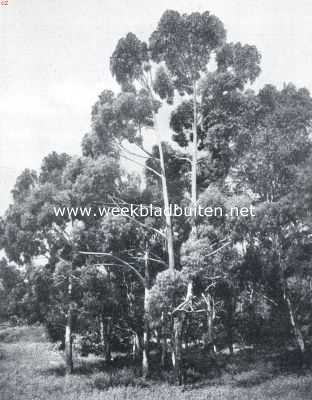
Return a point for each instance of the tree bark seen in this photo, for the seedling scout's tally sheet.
(163, 341)
(102, 331)
(158, 337)
(194, 155)
(210, 337)
(210, 316)
(146, 332)
(106, 330)
(169, 233)
(177, 360)
(106, 327)
(229, 323)
(145, 356)
(136, 347)
(189, 295)
(68, 331)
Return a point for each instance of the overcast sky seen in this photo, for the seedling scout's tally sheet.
(54, 61)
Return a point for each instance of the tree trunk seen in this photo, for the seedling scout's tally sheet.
(105, 338)
(210, 336)
(169, 233)
(105, 333)
(177, 360)
(158, 337)
(189, 292)
(210, 316)
(145, 356)
(102, 331)
(294, 325)
(194, 155)
(136, 347)
(68, 331)
(163, 341)
(146, 332)
(229, 328)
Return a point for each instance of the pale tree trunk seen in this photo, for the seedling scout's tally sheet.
(177, 360)
(210, 315)
(136, 346)
(194, 144)
(297, 333)
(210, 335)
(146, 332)
(102, 330)
(189, 294)
(169, 233)
(230, 304)
(294, 325)
(145, 356)
(107, 331)
(68, 330)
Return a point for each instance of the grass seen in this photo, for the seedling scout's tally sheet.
(30, 369)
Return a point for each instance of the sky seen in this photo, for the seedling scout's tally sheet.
(54, 62)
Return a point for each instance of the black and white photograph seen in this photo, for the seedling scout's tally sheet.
(156, 200)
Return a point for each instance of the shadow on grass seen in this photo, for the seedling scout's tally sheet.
(246, 369)
(55, 370)
(254, 378)
(92, 365)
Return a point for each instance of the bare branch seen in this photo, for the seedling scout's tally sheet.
(123, 262)
(123, 148)
(142, 165)
(183, 158)
(220, 248)
(151, 259)
(64, 261)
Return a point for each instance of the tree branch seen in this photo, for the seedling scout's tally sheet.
(220, 248)
(142, 165)
(125, 263)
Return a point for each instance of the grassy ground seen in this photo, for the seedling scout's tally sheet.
(30, 369)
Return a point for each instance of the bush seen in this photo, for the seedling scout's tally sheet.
(88, 344)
